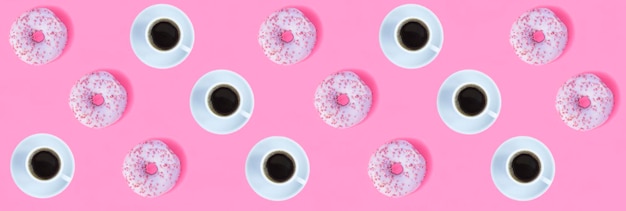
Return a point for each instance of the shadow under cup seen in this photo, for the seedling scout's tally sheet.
(164, 34)
(44, 164)
(413, 34)
(470, 100)
(223, 100)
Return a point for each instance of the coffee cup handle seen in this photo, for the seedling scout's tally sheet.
(66, 178)
(185, 48)
(434, 48)
(546, 180)
(244, 114)
(300, 180)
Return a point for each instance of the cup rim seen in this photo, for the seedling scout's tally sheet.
(422, 22)
(30, 157)
(153, 22)
(482, 90)
(541, 168)
(295, 163)
(212, 89)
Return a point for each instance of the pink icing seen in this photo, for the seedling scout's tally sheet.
(38, 36)
(343, 99)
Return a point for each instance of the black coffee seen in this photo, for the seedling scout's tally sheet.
(224, 100)
(525, 167)
(413, 35)
(471, 100)
(279, 167)
(164, 35)
(45, 164)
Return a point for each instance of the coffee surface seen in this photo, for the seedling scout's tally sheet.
(164, 35)
(525, 167)
(413, 35)
(280, 167)
(45, 165)
(224, 101)
(471, 101)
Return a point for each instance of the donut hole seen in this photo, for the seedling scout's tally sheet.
(286, 36)
(97, 99)
(279, 167)
(396, 168)
(224, 100)
(584, 102)
(151, 168)
(525, 167)
(413, 34)
(471, 100)
(538, 36)
(38, 36)
(44, 164)
(343, 99)
(164, 34)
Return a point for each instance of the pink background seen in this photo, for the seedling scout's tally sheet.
(588, 172)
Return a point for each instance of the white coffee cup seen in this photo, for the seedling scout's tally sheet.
(522, 189)
(392, 45)
(206, 117)
(450, 112)
(141, 41)
(24, 176)
(262, 183)
(240, 100)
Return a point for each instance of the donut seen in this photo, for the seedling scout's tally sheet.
(343, 99)
(538, 36)
(151, 169)
(584, 102)
(38, 36)
(397, 168)
(287, 36)
(98, 99)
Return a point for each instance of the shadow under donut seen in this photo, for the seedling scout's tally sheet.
(611, 84)
(369, 81)
(567, 20)
(178, 150)
(314, 18)
(119, 76)
(421, 147)
(65, 18)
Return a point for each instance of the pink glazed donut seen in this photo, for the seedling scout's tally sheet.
(584, 102)
(343, 99)
(397, 168)
(538, 36)
(98, 99)
(38, 36)
(287, 36)
(151, 169)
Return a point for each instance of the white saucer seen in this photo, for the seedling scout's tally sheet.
(207, 119)
(389, 40)
(263, 186)
(506, 184)
(29, 184)
(141, 45)
(447, 107)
